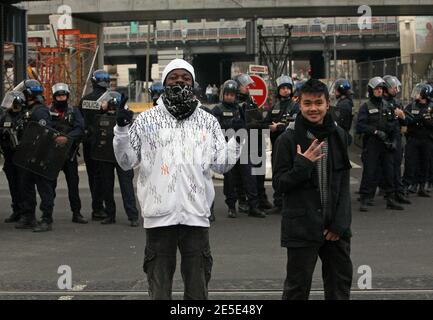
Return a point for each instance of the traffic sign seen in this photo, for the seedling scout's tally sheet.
(258, 69)
(258, 90)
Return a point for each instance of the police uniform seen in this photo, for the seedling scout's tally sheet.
(71, 123)
(254, 121)
(93, 167)
(125, 177)
(284, 111)
(377, 115)
(342, 112)
(418, 151)
(230, 116)
(11, 130)
(38, 113)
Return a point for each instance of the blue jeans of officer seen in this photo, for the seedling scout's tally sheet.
(126, 188)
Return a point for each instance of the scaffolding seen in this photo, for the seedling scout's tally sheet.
(68, 62)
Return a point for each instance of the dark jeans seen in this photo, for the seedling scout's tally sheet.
(46, 192)
(94, 175)
(126, 188)
(160, 261)
(70, 169)
(337, 270)
(14, 177)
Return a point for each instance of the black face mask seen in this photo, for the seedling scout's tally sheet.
(179, 101)
(61, 105)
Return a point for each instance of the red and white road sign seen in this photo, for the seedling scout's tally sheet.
(258, 90)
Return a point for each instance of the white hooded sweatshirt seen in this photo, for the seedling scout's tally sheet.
(175, 159)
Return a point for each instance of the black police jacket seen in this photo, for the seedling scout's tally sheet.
(303, 216)
(229, 116)
(420, 125)
(89, 114)
(283, 111)
(40, 113)
(374, 116)
(342, 112)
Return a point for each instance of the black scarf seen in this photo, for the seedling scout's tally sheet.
(179, 101)
(337, 149)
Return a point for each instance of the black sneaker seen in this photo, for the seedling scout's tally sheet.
(43, 226)
(232, 213)
(256, 213)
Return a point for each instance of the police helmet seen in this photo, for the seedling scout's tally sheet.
(60, 89)
(101, 78)
(342, 86)
(230, 86)
(422, 91)
(243, 79)
(284, 80)
(32, 89)
(392, 82)
(14, 100)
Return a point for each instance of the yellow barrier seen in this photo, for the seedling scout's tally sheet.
(140, 106)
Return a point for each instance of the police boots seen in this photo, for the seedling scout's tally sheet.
(400, 198)
(232, 213)
(422, 192)
(14, 217)
(256, 213)
(391, 204)
(43, 226)
(26, 223)
(99, 215)
(109, 220)
(243, 206)
(78, 218)
(364, 205)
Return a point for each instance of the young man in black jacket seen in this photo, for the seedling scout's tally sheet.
(311, 168)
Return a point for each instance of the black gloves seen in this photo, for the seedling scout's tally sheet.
(382, 135)
(123, 116)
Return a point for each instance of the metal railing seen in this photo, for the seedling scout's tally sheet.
(122, 34)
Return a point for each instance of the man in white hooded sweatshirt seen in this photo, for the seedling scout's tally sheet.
(175, 145)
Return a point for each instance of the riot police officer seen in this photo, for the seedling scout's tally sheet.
(69, 121)
(104, 137)
(279, 116)
(89, 108)
(156, 89)
(419, 138)
(11, 130)
(231, 116)
(391, 89)
(254, 120)
(37, 112)
(377, 122)
(342, 111)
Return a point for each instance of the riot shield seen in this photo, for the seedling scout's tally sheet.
(103, 150)
(90, 109)
(39, 152)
